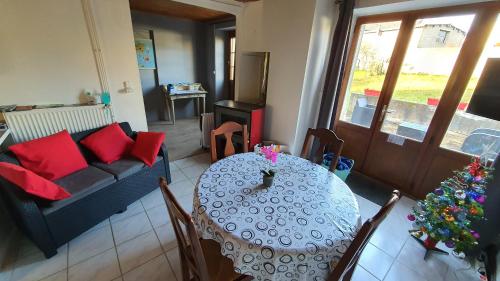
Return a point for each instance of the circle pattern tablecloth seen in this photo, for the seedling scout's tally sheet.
(295, 230)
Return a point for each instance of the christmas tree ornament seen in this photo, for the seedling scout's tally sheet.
(446, 213)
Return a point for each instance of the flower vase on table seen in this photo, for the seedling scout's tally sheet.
(271, 157)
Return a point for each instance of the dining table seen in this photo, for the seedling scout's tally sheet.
(296, 229)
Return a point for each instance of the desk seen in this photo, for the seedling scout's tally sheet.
(183, 94)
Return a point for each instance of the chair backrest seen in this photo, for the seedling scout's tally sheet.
(191, 254)
(227, 129)
(345, 267)
(328, 142)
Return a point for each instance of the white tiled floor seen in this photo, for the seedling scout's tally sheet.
(140, 244)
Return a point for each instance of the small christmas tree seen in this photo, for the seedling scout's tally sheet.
(446, 214)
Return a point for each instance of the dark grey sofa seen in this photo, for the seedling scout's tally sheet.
(98, 192)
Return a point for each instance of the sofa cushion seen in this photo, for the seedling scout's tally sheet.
(80, 184)
(121, 168)
(147, 145)
(109, 143)
(89, 155)
(32, 183)
(51, 157)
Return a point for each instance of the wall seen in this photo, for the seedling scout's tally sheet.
(47, 56)
(181, 56)
(283, 28)
(44, 58)
(324, 23)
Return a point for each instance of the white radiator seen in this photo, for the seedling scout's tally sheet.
(207, 125)
(36, 123)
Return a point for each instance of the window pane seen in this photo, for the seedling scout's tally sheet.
(231, 66)
(373, 52)
(432, 51)
(470, 133)
(232, 43)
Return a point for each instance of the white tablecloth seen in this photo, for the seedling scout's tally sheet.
(295, 230)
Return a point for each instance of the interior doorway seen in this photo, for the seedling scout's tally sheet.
(231, 61)
(185, 70)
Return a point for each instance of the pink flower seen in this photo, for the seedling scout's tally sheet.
(274, 156)
(269, 153)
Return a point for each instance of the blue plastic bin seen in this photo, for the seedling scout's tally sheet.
(344, 166)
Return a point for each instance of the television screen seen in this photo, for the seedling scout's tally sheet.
(485, 101)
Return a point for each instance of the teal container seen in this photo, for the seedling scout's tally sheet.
(342, 174)
(345, 165)
(106, 98)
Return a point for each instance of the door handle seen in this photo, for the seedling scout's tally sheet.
(382, 113)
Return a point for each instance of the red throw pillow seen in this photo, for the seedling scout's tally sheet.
(109, 144)
(31, 182)
(146, 146)
(51, 157)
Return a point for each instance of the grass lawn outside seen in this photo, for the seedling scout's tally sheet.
(410, 87)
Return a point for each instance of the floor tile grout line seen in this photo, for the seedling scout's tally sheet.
(382, 250)
(124, 241)
(157, 239)
(170, 264)
(368, 272)
(48, 276)
(395, 259)
(164, 251)
(116, 247)
(65, 269)
(139, 265)
(93, 256)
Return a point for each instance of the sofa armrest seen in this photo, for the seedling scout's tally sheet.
(28, 216)
(164, 153)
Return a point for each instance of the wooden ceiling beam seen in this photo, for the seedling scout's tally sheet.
(178, 9)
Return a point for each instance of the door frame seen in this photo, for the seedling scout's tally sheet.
(485, 17)
(230, 83)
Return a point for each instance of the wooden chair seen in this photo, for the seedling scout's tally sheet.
(345, 268)
(227, 129)
(199, 258)
(328, 141)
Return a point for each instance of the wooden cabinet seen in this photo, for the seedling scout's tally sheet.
(243, 113)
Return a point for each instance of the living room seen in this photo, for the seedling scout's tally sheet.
(70, 75)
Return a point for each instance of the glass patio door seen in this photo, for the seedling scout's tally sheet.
(430, 57)
(420, 77)
(368, 72)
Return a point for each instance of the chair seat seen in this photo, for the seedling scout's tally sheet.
(220, 268)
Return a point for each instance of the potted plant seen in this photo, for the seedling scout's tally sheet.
(268, 174)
